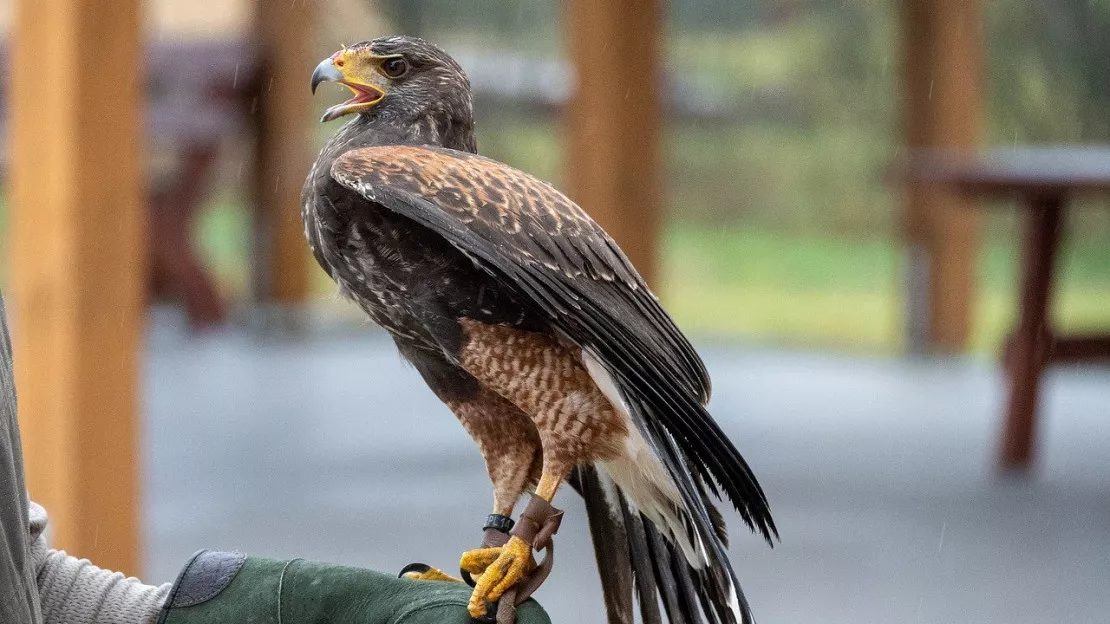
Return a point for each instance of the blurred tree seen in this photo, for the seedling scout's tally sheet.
(407, 17)
(1050, 79)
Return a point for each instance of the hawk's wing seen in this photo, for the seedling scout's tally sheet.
(526, 233)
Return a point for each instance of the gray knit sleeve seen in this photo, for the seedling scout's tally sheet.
(74, 591)
(18, 594)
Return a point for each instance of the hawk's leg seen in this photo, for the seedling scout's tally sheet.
(510, 446)
(547, 380)
(508, 442)
(506, 438)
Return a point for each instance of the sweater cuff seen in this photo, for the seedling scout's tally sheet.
(74, 591)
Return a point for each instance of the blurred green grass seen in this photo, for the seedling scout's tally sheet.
(827, 291)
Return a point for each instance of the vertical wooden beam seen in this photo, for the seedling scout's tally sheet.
(78, 267)
(942, 52)
(615, 121)
(284, 31)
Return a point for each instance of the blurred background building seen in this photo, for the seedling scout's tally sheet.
(273, 419)
(781, 118)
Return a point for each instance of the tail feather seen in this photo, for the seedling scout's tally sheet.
(638, 557)
(610, 544)
(689, 590)
(671, 483)
(670, 578)
(642, 567)
(720, 592)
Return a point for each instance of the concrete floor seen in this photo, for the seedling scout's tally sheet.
(879, 472)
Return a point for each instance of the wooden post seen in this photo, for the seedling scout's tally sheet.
(941, 70)
(78, 267)
(284, 32)
(615, 121)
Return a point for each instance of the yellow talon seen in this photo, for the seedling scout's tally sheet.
(476, 561)
(513, 561)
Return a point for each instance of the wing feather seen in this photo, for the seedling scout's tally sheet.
(528, 220)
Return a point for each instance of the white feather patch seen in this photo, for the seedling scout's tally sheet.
(734, 604)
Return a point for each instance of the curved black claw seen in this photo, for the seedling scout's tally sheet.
(491, 614)
(419, 568)
(425, 572)
(467, 578)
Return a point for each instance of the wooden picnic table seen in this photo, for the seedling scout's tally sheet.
(1044, 180)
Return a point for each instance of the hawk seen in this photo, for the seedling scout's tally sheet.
(526, 319)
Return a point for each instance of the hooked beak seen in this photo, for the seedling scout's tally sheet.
(366, 95)
(326, 71)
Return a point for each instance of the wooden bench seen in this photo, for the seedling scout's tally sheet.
(199, 95)
(1044, 180)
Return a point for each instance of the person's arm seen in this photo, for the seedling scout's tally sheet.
(231, 588)
(18, 595)
(74, 591)
(43, 586)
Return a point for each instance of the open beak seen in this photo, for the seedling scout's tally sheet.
(365, 95)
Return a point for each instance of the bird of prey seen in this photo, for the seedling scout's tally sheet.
(530, 324)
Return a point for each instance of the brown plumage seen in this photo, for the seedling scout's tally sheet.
(507, 440)
(526, 319)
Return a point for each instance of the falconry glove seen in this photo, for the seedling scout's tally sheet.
(231, 588)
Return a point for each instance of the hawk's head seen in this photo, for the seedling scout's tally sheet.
(402, 78)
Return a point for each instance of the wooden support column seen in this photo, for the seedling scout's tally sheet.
(615, 121)
(285, 34)
(941, 104)
(78, 270)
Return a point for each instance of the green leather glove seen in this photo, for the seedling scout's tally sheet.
(230, 588)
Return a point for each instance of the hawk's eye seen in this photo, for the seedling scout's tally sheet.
(394, 67)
